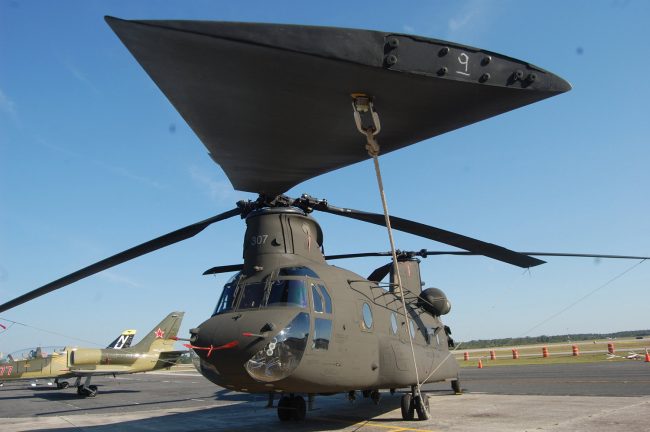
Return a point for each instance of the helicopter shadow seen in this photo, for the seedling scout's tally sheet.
(253, 416)
(228, 395)
(62, 395)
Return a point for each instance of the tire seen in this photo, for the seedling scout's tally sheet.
(284, 409)
(422, 407)
(299, 408)
(80, 390)
(408, 410)
(62, 385)
(455, 386)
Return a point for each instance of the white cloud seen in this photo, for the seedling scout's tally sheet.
(218, 190)
(408, 29)
(6, 104)
(119, 279)
(117, 170)
(80, 76)
(470, 20)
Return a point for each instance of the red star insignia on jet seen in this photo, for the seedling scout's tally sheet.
(159, 333)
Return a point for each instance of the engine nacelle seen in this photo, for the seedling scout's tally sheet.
(434, 301)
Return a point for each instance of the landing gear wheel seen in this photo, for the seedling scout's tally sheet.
(408, 408)
(62, 385)
(455, 386)
(299, 408)
(422, 407)
(284, 409)
(292, 408)
(90, 391)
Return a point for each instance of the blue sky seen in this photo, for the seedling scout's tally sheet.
(94, 159)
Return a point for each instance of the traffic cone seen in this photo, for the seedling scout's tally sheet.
(493, 355)
(480, 364)
(465, 356)
(576, 351)
(647, 356)
(544, 352)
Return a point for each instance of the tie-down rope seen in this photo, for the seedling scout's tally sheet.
(367, 122)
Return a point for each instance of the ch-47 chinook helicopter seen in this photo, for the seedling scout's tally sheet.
(272, 104)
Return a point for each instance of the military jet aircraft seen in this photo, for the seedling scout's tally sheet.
(153, 352)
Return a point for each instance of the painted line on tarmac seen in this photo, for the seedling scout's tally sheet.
(188, 374)
(372, 424)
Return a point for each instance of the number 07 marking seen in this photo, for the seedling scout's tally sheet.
(259, 240)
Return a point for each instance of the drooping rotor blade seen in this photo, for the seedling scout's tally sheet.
(424, 253)
(224, 269)
(443, 236)
(577, 255)
(129, 254)
(237, 267)
(252, 92)
(379, 273)
(358, 255)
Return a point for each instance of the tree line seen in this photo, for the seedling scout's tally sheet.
(532, 340)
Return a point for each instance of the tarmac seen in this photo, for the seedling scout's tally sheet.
(605, 396)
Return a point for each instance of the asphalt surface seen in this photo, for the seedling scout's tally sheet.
(625, 378)
(591, 397)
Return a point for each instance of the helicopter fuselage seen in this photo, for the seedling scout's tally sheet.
(291, 322)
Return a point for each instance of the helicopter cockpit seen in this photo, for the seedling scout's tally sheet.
(286, 287)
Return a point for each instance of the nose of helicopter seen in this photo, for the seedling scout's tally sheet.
(246, 343)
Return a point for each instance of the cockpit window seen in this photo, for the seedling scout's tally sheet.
(318, 301)
(288, 292)
(297, 271)
(326, 298)
(252, 295)
(227, 295)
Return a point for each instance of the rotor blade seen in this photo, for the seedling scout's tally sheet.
(224, 269)
(460, 241)
(425, 253)
(380, 273)
(358, 255)
(238, 267)
(559, 254)
(129, 254)
(551, 254)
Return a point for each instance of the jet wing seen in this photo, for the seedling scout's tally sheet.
(114, 370)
